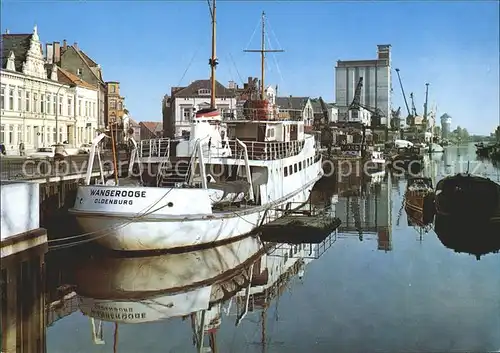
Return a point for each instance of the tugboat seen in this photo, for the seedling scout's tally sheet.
(419, 200)
(466, 196)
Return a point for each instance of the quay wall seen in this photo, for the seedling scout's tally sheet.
(20, 208)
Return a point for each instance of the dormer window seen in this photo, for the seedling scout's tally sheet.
(204, 92)
(79, 72)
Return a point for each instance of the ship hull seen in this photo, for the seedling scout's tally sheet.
(161, 221)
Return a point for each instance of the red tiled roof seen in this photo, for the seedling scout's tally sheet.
(152, 126)
(68, 77)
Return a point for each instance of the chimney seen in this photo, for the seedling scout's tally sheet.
(57, 52)
(75, 45)
(65, 44)
(49, 53)
(7, 31)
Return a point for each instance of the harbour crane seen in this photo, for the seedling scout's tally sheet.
(377, 114)
(323, 126)
(413, 109)
(410, 117)
(426, 104)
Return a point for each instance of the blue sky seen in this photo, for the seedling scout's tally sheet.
(148, 45)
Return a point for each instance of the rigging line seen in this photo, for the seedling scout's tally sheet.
(210, 9)
(191, 61)
(229, 68)
(236, 68)
(282, 81)
(275, 61)
(270, 29)
(253, 34)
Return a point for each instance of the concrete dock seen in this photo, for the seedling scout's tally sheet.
(20, 221)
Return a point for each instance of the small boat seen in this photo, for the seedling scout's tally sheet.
(435, 148)
(484, 150)
(377, 158)
(466, 196)
(419, 200)
(407, 159)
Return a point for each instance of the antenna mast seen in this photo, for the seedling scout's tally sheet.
(213, 60)
(263, 52)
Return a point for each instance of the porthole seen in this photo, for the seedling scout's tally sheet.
(170, 204)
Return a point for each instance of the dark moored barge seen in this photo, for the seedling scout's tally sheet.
(467, 197)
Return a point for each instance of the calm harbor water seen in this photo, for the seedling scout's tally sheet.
(375, 285)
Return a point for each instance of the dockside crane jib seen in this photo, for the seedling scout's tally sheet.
(376, 114)
(409, 118)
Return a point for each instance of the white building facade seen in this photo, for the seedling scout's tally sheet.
(36, 108)
(187, 101)
(377, 83)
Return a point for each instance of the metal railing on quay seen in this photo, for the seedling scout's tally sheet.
(37, 168)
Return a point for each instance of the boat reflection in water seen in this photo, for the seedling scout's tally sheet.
(144, 289)
(272, 274)
(476, 239)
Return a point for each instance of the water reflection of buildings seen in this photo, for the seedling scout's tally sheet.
(22, 285)
(365, 208)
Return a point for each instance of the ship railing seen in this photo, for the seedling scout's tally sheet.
(155, 148)
(256, 150)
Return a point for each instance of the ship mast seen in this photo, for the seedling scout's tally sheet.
(263, 52)
(213, 60)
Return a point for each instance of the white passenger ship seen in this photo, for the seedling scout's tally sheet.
(223, 182)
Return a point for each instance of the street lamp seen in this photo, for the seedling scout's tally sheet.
(59, 147)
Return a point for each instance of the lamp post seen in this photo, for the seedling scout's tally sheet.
(59, 106)
(57, 115)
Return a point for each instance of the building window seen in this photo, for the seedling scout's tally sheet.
(79, 107)
(54, 134)
(42, 103)
(48, 103)
(203, 92)
(86, 108)
(60, 104)
(2, 97)
(54, 104)
(112, 104)
(11, 99)
(70, 106)
(27, 102)
(93, 110)
(79, 72)
(61, 134)
(11, 134)
(28, 134)
(187, 114)
(2, 133)
(19, 100)
(35, 103)
(19, 133)
(113, 88)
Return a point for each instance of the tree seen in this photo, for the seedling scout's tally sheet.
(460, 134)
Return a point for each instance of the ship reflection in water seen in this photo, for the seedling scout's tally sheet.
(475, 238)
(355, 291)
